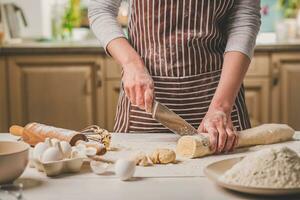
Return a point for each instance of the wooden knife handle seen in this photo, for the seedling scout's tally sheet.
(16, 130)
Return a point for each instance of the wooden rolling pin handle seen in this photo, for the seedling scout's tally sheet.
(16, 130)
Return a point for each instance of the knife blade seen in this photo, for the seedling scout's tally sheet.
(171, 120)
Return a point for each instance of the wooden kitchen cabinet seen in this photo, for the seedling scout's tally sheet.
(257, 89)
(113, 84)
(57, 90)
(3, 96)
(257, 100)
(113, 90)
(286, 89)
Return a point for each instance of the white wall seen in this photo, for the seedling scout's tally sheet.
(38, 15)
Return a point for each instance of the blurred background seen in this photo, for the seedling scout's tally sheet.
(52, 69)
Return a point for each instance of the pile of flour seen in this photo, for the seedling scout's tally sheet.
(269, 168)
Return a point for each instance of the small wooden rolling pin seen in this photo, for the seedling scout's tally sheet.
(196, 146)
(34, 133)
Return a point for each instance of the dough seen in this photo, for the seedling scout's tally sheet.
(198, 145)
(142, 160)
(163, 156)
(270, 168)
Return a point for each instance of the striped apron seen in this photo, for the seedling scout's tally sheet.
(182, 43)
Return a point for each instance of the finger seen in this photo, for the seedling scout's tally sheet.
(236, 142)
(140, 97)
(230, 140)
(149, 96)
(132, 95)
(222, 137)
(213, 137)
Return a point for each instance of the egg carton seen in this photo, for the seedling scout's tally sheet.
(55, 168)
(58, 157)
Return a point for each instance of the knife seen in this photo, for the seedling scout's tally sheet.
(171, 120)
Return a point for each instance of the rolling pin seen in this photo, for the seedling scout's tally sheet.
(196, 146)
(34, 133)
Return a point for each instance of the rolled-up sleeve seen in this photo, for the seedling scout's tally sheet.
(103, 20)
(243, 26)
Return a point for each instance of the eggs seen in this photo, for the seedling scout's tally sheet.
(125, 168)
(51, 150)
(48, 141)
(66, 149)
(82, 150)
(90, 151)
(52, 154)
(38, 150)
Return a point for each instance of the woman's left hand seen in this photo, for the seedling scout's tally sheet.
(217, 125)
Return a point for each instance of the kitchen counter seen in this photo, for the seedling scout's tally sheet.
(89, 186)
(93, 46)
(31, 47)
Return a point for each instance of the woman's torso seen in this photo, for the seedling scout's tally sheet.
(182, 43)
(180, 37)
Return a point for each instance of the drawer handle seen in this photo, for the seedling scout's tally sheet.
(117, 89)
(99, 82)
(275, 79)
(99, 78)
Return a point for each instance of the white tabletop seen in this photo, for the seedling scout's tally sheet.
(87, 186)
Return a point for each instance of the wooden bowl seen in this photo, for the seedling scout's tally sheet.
(13, 160)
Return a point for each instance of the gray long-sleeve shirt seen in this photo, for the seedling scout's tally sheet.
(242, 29)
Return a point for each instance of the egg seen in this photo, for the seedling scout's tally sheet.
(99, 167)
(38, 150)
(48, 142)
(80, 147)
(124, 169)
(66, 149)
(54, 141)
(90, 151)
(77, 153)
(52, 154)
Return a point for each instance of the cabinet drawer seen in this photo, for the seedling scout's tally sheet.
(260, 65)
(113, 69)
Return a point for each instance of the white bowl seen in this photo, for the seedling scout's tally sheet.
(13, 160)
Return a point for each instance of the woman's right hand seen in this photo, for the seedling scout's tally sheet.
(138, 84)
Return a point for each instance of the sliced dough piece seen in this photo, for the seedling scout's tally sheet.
(163, 156)
(142, 159)
(198, 145)
(193, 146)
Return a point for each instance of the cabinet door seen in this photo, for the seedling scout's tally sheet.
(257, 99)
(56, 90)
(113, 90)
(3, 97)
(286, 91)
(260, 65)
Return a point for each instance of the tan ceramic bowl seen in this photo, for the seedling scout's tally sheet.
(13, 160)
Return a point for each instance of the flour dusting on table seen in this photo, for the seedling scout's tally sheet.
(269, 168)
